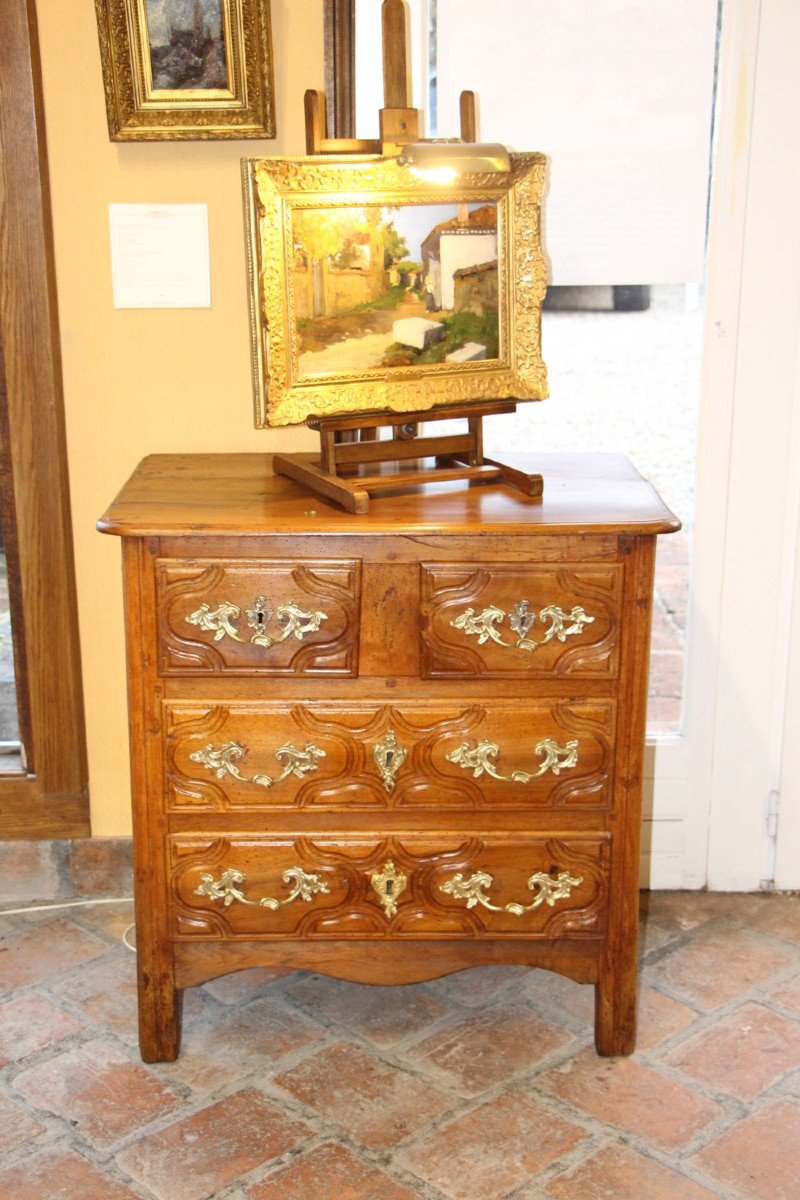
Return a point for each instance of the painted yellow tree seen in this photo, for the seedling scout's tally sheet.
(327, 233)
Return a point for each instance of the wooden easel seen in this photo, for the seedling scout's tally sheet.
(352, 461)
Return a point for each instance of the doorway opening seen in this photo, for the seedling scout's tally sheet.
(623, 108)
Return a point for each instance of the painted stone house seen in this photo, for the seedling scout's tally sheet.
(467, 240)
(475, 288)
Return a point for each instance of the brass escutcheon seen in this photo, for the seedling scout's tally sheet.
(389, 884)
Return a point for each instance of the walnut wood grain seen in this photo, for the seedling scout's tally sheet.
(308, 822)
(616, 991)
(159, 999)
(29, 815)
(403, 546)
(34, 421)
(387, 962)
(396, 90)
(172, 495)
(316, 119)
(389, 640)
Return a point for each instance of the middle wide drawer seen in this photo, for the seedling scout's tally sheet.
(242, 755)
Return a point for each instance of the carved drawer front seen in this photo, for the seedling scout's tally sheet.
(258, 617)
(506, 620)
(248, 755)
(353, 885)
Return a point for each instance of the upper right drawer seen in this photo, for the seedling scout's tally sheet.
(512, 619)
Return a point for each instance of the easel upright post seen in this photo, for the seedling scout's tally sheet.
(399, 122)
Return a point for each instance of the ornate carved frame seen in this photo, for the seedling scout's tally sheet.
(276, 187)
(139, 112)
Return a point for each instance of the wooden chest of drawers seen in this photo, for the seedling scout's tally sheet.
(386, 747)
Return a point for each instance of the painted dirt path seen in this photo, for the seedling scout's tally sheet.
(347, 357)
(361, 339)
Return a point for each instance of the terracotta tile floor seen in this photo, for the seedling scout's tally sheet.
(481, 1086)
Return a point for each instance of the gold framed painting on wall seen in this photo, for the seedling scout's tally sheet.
(373, 289)
(186, 69)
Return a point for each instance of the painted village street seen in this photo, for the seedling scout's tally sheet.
(375, 287)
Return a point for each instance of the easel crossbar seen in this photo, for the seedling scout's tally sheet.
(388, 451)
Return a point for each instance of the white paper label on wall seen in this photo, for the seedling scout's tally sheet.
(160, 255)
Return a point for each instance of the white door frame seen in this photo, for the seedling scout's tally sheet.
(787, 823)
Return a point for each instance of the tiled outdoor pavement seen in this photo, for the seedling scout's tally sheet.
(480, 1086)
(628, 383)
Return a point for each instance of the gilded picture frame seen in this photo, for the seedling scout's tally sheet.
(186, 69)
(344, 252)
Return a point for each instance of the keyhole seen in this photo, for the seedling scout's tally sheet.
(389, 757)
(388, 887)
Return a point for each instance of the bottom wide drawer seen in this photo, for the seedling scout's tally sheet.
(412, 885)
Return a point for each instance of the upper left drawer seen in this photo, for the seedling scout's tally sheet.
(258, 616)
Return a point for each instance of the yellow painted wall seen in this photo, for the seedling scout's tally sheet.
(139, 382)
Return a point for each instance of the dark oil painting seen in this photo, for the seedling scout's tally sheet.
(187, 44)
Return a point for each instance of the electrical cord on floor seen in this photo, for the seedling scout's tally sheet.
(12, 912)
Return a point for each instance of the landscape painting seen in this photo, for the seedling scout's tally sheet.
(372, 289)
(377, 287)
(186, 40)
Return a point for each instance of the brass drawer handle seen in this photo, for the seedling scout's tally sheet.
(223, 760)
(549, 890)
(304, 887)
(294, 621)
(521, 620)
(479, 758)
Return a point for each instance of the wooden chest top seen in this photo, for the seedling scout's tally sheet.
(202, 494)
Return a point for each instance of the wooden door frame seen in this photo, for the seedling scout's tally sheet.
(51, 800)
